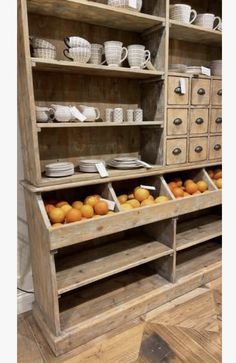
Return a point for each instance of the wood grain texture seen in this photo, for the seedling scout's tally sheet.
(195, 127)
(216, 120)
(175, 126)
(196, 144)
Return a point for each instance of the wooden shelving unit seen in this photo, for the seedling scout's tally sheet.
(93, 276)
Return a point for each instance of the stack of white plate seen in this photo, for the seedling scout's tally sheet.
(194, 70)
(89, 166)
(56, 170)
(179, 68)
(127, 163)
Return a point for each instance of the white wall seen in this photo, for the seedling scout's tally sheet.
(24, 273)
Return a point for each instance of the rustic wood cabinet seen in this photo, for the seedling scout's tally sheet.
(93, 276)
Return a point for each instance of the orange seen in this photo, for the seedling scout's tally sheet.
(147, 202)
(178, 182)
(66, 208)
(178, 192)
(161, 199)
(141, 194)
(87, 211)
(172, 185)
(219, 183)
(101, 208)
(191, 188)
(60, 204)
(123, 198)
(49, 207)
(57, 225)
(202, 186)
(74, 215)
(211, 174)
(150, 197)
(57, 215)
(134, 203)
(126, 206)
(91, 200)
(218, 174)
(188, 181)
(77, 204)
(97, 196)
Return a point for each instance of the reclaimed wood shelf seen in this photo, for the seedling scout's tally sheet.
(198, 230)
(194, 34)
(96, 13)
(95, 264)
(52, 125)
(39, 64)
(197, 258)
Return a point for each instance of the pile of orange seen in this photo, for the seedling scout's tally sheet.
(186, 188)
(139, 197)
(216, 176)
(63, 212)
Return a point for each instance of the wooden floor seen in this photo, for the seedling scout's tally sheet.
(185, 330)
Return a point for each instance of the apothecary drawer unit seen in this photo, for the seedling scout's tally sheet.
(216, 92)
(176, 94)
(176, 151)
(177, 121)
(198, 121)
(216, 120)
(198, 149)
(200, 91)
(215, 147)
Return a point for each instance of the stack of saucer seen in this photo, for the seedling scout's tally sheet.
(89, 166)
(127, 163)
(56, 170)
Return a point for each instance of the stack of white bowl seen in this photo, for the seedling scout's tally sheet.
(216, 67)
(56, 170)
(79, 49)
(127, 4)
(89, 166)
(42, 48)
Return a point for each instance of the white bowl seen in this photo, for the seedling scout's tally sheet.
(46, 53)
(41, 43)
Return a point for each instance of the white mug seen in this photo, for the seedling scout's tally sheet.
(44, 114)
(109, 114)
(91, 113)
(207, 21)
(97, 51)
(138, 115)
(115, 53)
(130, 115)
(138, 57)
(118, 115)
(183, 13)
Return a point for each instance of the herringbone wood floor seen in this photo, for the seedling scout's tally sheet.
(186, 330)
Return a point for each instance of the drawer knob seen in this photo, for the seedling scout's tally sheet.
(219, 120)
(201, 92)
(178, 90)
(198, 149)
(178, 121)
(219, 92)
(199, 121)
(177, 151)
(217, 147)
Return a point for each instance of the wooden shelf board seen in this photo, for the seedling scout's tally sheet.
(191, 75)
(198, 230)
(195, 34)
(80, 179)
(83, 268)
(40, 64)
(95, 13)
(198, 257)
(49, 125)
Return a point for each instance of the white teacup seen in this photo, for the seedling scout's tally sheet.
(91, 113)
(115, 53)
(79, 54)
(74, 42)
(97, 51)
(207, 21)
(183, 13)
(44, 114)
(138, 57)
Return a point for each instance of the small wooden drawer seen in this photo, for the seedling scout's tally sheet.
(200, 91)
(177, 123)
(175, 97)
(216, 120)
(215, 147)
(176, 151)
(197, 149)
(216, 93)
(198, 121)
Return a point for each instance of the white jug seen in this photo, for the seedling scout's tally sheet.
(91, 113)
